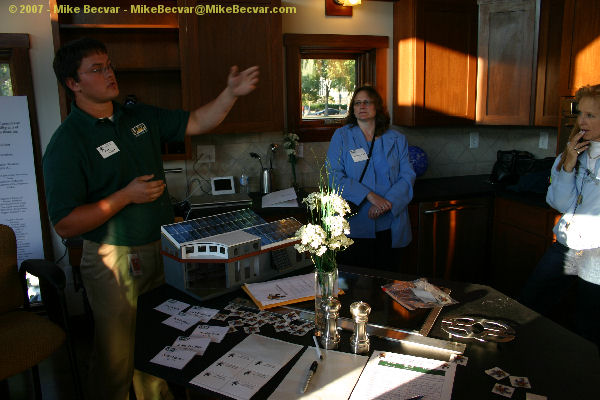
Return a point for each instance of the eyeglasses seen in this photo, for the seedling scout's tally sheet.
(101, 70)
(367, 103)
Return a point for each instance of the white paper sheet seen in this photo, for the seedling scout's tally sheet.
(334, 379)
(19, 206)
(243, 370)
(172, 307)
(283, 290)
(181, 321)
(173, 357)
(281, 198)
(205, 314)
(399, 376)
(192, 343)
(214, 333)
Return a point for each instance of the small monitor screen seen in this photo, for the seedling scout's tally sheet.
(222, 185)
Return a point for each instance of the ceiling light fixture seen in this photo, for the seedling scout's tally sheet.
(340, 7)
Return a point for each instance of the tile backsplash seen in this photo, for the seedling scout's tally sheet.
(447, 150)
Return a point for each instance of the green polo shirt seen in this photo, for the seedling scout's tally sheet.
(88, 159)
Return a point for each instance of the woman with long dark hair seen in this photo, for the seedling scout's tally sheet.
(368, 163)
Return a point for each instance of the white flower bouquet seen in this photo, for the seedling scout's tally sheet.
(325, 234)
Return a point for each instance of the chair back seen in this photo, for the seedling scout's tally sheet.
(11, 289)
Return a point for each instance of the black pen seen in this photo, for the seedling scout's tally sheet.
(311, 372)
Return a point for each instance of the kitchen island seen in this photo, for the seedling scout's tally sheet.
(558, 363)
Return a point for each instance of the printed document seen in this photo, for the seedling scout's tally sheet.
(399, 376)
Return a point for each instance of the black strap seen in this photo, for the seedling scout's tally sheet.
(368, 159)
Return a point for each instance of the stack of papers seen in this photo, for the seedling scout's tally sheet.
(282, 291)
(243, 370)
(282, 198)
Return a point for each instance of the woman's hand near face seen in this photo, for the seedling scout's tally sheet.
(379, 205)
(575, 147)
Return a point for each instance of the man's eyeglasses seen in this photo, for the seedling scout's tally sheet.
(367, 103)
(101, 70)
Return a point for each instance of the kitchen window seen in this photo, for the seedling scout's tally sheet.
(322, 72)
(5, 82)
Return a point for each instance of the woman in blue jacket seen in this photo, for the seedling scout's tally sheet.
(381, 227)
(573, 261)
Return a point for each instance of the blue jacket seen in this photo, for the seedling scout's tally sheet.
(389, 175)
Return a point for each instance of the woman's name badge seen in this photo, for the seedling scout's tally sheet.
(359, 155)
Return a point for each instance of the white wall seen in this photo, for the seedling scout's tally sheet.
(44, 82)
(45, 88)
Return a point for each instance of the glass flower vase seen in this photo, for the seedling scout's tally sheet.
(326, 285)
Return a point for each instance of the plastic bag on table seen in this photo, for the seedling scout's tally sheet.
(417, 294)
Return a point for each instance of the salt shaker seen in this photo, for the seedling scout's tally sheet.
(359, 341)
(331, 338)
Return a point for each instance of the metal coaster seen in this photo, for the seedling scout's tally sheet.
(484, 330)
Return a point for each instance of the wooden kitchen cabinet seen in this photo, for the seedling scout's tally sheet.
(519, 62)
(547, 94)
(132, 40)
(506, 50)
(580, 53)
(521, 234)
(212, 43)
(435, 62)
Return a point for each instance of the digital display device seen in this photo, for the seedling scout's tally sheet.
(222, 185)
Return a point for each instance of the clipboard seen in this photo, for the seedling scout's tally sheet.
(279, 292)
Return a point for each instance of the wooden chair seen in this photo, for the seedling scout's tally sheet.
(26, 338)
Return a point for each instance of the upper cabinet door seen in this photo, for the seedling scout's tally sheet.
(507, 58)
(212, 43)
(580, 54)
(435, 62)
(547, 104)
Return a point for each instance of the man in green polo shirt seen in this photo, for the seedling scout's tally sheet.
(105, 182)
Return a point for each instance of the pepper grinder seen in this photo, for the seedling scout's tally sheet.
(359, 341)
(331, 338)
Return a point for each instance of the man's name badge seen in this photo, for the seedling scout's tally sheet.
(107, 149)
(359, 155)
(135, 267)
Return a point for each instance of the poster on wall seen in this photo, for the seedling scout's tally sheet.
(19, 207)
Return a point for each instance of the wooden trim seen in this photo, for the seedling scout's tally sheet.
(371, 55)
(14, 40)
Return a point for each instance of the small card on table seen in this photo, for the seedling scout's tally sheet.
(192, 343)
(172, 307)
(182, 321)
(214, 333)
(173, 357)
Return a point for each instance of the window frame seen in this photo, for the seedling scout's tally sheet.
(370, 52)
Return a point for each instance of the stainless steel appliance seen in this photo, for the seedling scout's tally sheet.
(454, 239)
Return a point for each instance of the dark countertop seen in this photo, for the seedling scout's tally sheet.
(461, 187)
(558, 363)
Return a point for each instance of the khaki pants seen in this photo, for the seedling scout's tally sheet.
(112, 290)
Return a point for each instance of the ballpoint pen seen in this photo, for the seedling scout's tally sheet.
(311, 372)
(317, 348)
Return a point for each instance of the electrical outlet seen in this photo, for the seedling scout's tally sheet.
(205, 154)
(300, 150)
(543, 144)
(473, 140)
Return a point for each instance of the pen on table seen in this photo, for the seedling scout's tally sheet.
(318, 348)
(311, 372)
